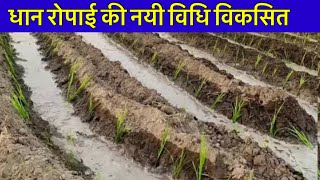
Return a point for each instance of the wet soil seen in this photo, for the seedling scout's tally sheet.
(229, 157)
(278, 48)
(271, 70)
(260, 102)
(24, 152)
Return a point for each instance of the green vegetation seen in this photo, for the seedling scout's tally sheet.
(237, 107)
(251, 175)
(203, 156)
(178, 165)
(164, 139)
(179, 69)
(302, 137)
(121, 128)
(273, 129)
(72, 93)
(154, 57)
(203, 82)
(218, 100)
(18, 104)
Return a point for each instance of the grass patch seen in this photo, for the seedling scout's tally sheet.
(121, 128)
(203, 156)
(302, 137)
(237, 107)
(164, 139)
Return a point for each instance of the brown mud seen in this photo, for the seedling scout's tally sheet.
(25, 151)
(228, 155)
(245, 59)
(278, 48)
(260, 105)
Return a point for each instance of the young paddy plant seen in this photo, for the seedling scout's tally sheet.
(19, 106)
(164, 139)
(264, 69)
(302, 137)
(218, 100)
(179, 69)
(203, 157)
(258, 60)
(91, 107)
(198, 91)
(288, 78)
(82, 86)
(178, 165)
(154, 58)
(121, 128)
(302, 81)
(275, 70)
(273, 129)
(237, 107)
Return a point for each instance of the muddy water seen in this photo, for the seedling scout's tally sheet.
(99, 155)
(301, 158)
(238, 74)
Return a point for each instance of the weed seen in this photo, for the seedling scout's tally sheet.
(288, 78)
(203, 156)
(178, 165)
(236, 113)
(164, 139)
(273, 129)
(17, 103)
(302, 137)
(203, 82)
(179, 69)
(218, 100)
(121, 128)
(258, 60)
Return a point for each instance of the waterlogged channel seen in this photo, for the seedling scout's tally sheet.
(95, 152)
(298, 156)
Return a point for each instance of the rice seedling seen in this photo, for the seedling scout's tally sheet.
(179, 69)
(302, 81)
(20, 95)
(237, 107)
(91, 106)
(225, 48)
(82, 86)
(264, 68)
(252, 40)
(244, 38)
(273, 129)
(71, 79)
(215, 47)
(164, 139)
(258, 60)
(20, 108)
(251, 175)
(302, 137)
(260, 41)
(288, 78)
(154, 58)
(203, 156)
(178, 165)
(121, 128)
(275, 70)
(218, 100)
(198, 91)
(303, 58)
(243, 58)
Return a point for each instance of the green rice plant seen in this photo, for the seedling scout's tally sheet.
(71, 80)
(302, 137)
(260, 41)
(237, 107)
(91, 106)
(318, 173)
(121, 128)
(251, 175)
(288, 78)
(303, 58)
(264, 68)
(20, 108)
(154, 57)
(244, 38)
(178, 165)
(198, 91)
(179, 69)
(237, 54)
(218, 100)
(273, 129)
(20, 95)
(302, 81)
(82, 86)
(243, 58)
(225, 48)
(252, 40)
(258, 60)
(215, 47)
(275, 70)
(203, 156)
(164, 139)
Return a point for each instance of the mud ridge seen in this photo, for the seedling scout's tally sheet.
(271, 70)
(229, 155)
(278, 48)
(260, 102)
(25, 148)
